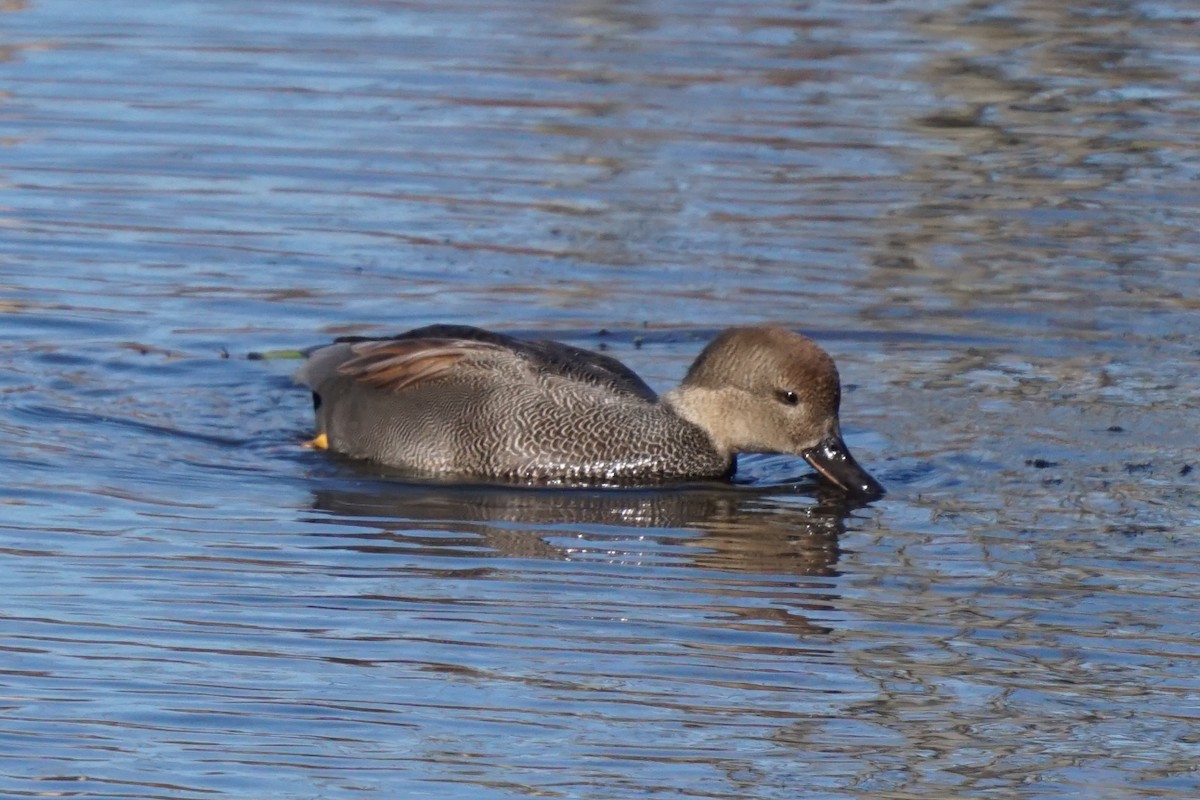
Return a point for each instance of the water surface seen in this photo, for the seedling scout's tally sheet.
(987, 212)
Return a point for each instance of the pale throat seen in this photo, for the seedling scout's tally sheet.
(727, 415)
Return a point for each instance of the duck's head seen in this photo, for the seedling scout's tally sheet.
(769, 390)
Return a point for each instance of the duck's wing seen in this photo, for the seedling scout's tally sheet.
(394, 365)
(576, 363)
(423, 354)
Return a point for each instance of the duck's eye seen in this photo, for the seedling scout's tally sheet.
(787, 397)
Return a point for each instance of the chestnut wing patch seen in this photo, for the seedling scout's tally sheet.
(393, 365)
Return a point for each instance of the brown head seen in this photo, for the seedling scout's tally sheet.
(769, 390)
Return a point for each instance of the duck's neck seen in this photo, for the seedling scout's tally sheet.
(720, 413)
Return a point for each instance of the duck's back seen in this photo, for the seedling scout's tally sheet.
(458, 401)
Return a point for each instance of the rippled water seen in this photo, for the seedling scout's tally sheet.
(987, 212)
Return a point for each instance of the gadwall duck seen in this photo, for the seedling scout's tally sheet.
(457, 401)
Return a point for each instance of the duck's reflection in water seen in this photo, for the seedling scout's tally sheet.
(789, 530)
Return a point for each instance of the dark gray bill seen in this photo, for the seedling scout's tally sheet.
(836, 465)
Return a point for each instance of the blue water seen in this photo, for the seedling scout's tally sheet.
(987, 213)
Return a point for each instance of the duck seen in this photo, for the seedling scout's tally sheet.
(464, 403)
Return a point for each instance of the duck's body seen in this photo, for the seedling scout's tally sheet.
(457, 401)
